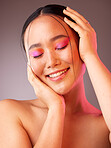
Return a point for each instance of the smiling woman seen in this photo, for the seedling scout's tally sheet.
(52, 43)
(60, 44)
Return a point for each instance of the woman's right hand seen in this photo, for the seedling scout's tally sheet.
(48, 96)
(52, 130)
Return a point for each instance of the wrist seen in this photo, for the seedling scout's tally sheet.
(58, 103)
(57, 108)
(90, 57)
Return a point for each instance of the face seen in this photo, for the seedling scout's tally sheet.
(53, 53)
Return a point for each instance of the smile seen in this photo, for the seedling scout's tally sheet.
(54, 75)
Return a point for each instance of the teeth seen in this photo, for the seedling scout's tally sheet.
(57, 74)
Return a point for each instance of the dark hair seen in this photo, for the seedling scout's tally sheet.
(48, 9)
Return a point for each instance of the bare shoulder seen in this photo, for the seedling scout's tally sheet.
(97, 122)
(20, 110)
(12, 108)
(100, 130)
(8, 108)
(8, 104)
(18, 107)
(20, 121)
(11, 129)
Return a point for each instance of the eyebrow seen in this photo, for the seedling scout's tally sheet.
(52, 39)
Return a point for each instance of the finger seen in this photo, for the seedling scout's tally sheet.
(76, 18)
(73, 16)
(42, 91)
(75, 26)
(39, 87)
(34, 80)
(31, 76)
(75, 12)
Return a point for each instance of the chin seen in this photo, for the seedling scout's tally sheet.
(62, 90)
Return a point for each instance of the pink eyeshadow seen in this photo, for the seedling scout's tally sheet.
(62, 43)
(36, 53)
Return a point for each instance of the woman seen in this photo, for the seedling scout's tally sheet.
(59, 43)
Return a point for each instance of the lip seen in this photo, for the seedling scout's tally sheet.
(57, 71)
(58, 77)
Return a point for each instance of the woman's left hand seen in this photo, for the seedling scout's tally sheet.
(87, 43)
(98, 73)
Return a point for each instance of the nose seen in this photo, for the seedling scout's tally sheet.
(52, 59)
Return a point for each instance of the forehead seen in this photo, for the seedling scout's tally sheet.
(46, 26)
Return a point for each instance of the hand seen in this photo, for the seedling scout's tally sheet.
(43, 92)
(87, 43)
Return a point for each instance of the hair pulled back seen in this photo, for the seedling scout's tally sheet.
(53, 9)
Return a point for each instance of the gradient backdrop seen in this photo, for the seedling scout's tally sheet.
(13, 13)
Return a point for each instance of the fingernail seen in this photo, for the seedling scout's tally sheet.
(65, 19)
(64, 10)
(68, 8)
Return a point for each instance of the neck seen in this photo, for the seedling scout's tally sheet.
(76, 100)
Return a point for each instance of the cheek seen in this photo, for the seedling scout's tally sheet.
(37, 67)
(66, 56)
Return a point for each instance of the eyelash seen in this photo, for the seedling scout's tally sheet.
(56, 49)
(38, 56)
(62, 47)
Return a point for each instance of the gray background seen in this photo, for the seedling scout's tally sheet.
(13, 13)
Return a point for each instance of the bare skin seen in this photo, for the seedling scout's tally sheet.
(81, 130)
(61, 117)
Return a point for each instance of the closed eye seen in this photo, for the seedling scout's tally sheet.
(63, 44)
(37, 56)
(62, 47)
(36, 53)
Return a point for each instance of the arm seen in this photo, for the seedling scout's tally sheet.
(99, 75)
(52, 131)
(51, 134)
(101, 81)
(12, 134)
